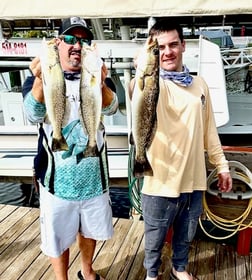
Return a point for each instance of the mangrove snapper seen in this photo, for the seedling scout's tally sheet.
(90, 96)
(54, 92)
(144, 103)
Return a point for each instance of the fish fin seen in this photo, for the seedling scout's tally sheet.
(59, 144)
(79, 157)
(131, 139)
(147, 169)
(140, 83)
(93, 81)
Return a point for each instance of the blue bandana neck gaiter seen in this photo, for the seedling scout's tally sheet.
(183, 79)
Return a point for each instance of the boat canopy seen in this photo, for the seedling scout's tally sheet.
(117, 9)
(219, 37)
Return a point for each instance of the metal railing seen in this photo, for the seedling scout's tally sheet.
(236, 58)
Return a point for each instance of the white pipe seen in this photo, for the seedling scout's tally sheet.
(25, 64)
(98, 28)
(125, 33)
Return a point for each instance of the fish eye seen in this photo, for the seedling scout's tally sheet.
(156, 51)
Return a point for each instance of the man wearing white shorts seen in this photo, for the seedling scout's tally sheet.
(74, 193)
(77, 217)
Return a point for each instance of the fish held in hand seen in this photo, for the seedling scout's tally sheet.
(91, 96)
(54, 92)
(144, 103)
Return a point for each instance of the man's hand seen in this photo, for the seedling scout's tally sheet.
(224, 182)
(35, 67)
(104, 72)
(107, 93)
(37, 89)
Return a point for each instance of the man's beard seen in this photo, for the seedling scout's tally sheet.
(75, 63)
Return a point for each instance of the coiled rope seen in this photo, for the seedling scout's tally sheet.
(237, 170)
(240, 172)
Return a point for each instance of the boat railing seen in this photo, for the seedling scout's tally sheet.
(236, 58)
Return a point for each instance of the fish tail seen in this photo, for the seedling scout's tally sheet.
(142, 169)
(91, 151)
(138, 169)
(59, 144)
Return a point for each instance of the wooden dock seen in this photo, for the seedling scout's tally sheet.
(119, 258)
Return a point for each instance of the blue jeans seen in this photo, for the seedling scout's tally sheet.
(159, 214)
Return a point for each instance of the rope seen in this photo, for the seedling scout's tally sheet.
(135, 194)
(233, 226)
(236, 224)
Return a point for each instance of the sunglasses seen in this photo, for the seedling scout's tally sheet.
(72, 40)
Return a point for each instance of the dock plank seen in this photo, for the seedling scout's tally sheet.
(2, 206)
(13, 226)
(193, 261)
(119, 258)
(127, 252)
(23, 260)
(11, 215)
(166, 265)
(10, 257)
(108, 253)
(137, 271)
(250, 267)
(225, 262)
(37, 268)
(202, 262)
(6, 211)
(243, 267)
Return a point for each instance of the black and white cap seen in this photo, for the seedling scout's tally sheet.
(69, 23)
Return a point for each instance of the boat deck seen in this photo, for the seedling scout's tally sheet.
(119, 258)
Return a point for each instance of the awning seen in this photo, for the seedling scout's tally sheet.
(116, 9)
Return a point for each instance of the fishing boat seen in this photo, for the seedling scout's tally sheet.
(19, 139)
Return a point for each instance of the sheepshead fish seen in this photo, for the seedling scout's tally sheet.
(90, 96)
(54, 92)
(144, 103)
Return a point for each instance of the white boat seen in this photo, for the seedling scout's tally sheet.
(18, 141)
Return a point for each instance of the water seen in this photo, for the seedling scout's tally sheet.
(25, 195)
(18, 194)
(120, 202)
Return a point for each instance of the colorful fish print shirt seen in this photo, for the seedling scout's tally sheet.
(67, 174)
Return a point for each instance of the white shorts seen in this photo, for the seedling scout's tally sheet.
(61, 220)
